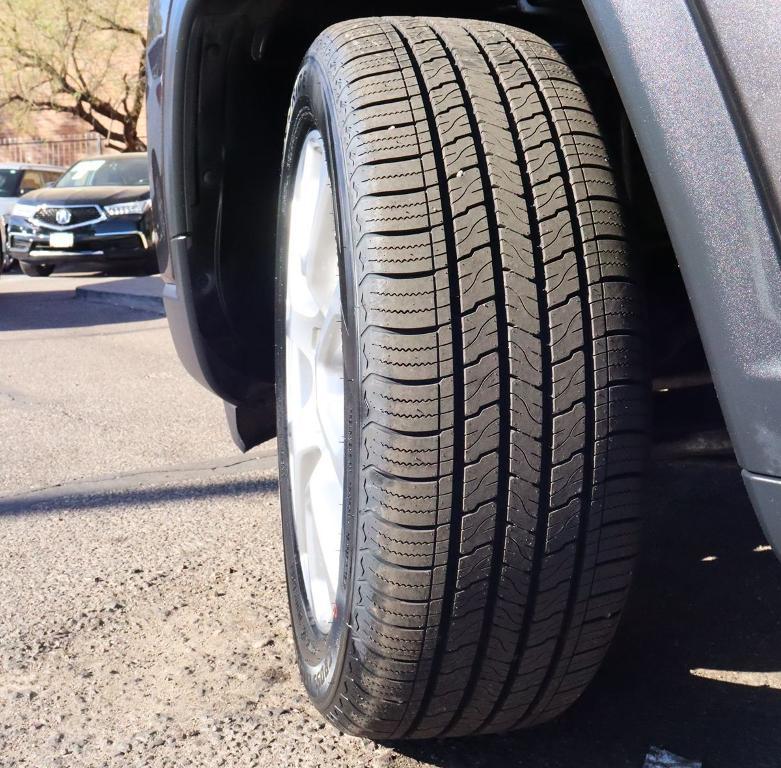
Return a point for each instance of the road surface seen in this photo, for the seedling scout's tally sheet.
(143, 617)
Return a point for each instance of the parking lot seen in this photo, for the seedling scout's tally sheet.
(143, 616)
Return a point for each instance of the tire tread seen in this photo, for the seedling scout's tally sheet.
(502, 357)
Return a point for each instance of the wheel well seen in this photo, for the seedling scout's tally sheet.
(242, 62)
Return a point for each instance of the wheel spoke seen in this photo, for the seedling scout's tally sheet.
(320, 264)
(330, 382)
(303, 329)
(332, 314)
(327, 486)
(305, 448)
(322, 595)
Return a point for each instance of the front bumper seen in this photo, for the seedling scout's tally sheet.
(120, 240)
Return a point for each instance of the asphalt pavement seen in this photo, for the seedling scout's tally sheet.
(143, 617)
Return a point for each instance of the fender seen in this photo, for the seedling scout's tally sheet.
(707, 123)
(215, 244)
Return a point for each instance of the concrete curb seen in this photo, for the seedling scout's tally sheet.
(141, 293)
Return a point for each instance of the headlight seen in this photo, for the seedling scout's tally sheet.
(25, 210)
(138, 208)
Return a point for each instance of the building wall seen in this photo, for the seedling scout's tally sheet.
(43, 125)
(53, 139)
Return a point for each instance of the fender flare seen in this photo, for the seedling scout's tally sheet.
(683, 70)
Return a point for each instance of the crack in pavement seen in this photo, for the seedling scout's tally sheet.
(105, 487)
(61, 333)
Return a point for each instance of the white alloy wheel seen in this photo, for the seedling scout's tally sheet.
(315, 380)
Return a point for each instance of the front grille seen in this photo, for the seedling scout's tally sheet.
(78, 216)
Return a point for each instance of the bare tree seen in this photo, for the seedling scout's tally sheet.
(80, 57)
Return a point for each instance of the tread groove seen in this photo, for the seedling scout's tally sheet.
(547, 401)
(503, 345)
(458, 384)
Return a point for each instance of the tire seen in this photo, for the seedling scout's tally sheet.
(495, 394)
(36, 270)
(152, 267)
(149, 267)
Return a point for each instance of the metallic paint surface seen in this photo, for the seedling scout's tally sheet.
(714, 212)
(749, 36)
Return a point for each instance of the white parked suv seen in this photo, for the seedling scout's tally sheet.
(17, 179)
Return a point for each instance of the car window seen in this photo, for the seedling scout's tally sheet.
(30, 181)
(119, 171)
(51, 177)
(9, 182)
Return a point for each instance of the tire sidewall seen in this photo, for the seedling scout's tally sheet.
(320, 657)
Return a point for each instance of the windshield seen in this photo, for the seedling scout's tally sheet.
(108, 172)
(9, 182)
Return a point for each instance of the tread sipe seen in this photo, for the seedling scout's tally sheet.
(501, 353)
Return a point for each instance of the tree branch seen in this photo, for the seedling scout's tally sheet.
(71, 60)
(112, 25)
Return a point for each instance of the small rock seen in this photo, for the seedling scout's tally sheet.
(55, 740)
(121, 748)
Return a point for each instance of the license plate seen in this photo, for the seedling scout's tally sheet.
(61, 240)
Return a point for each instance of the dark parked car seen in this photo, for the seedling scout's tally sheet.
(98, 215)
(17, 179)
(496, 241)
